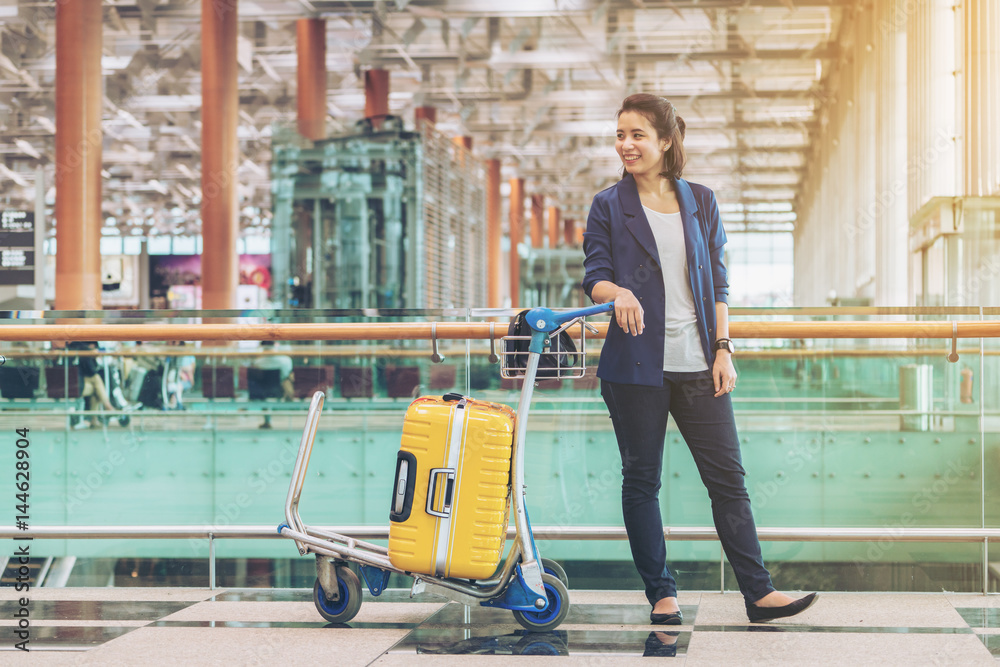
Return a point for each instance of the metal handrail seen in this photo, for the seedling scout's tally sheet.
(350, 351)
(464, 331)
(589, 533)
(316, 313)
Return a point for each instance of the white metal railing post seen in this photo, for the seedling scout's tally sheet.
(211, 560)
(982, 453)
(722, 569)
(986, 565)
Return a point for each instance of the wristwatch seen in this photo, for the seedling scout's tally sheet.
(725, 344)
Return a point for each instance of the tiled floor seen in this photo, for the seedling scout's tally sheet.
(106, 626)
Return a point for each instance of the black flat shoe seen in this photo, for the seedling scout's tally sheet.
(671, 618)
(760, 614)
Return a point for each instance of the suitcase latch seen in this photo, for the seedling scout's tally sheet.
(442, 482)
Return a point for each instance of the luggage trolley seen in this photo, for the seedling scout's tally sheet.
(533, 588)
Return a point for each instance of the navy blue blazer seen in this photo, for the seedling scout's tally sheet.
(620, 248)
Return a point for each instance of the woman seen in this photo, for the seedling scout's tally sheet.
(654, 247)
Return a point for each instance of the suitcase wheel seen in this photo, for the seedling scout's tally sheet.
(543, 621)
(347, 607)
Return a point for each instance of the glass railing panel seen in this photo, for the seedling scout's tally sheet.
(267, 564)
(874, 565)
(182, 442)
(835, 433)
(849, 431)
(33, 457)
(126, 563)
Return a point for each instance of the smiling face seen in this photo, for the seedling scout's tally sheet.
(638, 145)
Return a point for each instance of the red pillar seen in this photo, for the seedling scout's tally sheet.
(219, 119)
(311, 74)
(464, 142)
(569, 231)
(537, 224)
(493, 233)
(553, 226)
(516, 233)
(376, 96)
(421, 114)
(78, 155)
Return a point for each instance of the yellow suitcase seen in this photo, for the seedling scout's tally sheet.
(452, 490)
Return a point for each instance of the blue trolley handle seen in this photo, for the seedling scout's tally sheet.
(545, 320)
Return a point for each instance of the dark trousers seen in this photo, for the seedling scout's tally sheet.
(639, 415)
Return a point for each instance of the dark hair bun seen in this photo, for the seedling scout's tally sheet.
(681, 125)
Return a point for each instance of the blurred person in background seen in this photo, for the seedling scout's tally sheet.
(94, 390)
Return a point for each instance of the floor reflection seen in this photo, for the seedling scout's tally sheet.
(854, 629)
(296, 595)
(980, 617)
(88, 610)
(483, 641)
(992, 643)
(661, 644)
(70, 638)
(615, 614)
(263, 596)
(284, 624)
(516, 643)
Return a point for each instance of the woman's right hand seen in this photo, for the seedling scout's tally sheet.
(628, 312)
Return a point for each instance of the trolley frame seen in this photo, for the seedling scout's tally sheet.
(517, 585)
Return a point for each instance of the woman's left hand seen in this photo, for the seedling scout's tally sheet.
(724, 373)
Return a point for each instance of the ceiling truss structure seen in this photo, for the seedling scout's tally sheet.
(536, 84)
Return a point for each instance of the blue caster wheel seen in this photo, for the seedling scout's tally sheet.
(555, 569)
(347, 607)
(544, 621)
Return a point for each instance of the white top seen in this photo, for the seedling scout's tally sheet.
(681, 345)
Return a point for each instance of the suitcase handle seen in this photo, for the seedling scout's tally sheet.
(402, 491)
(445, 511)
